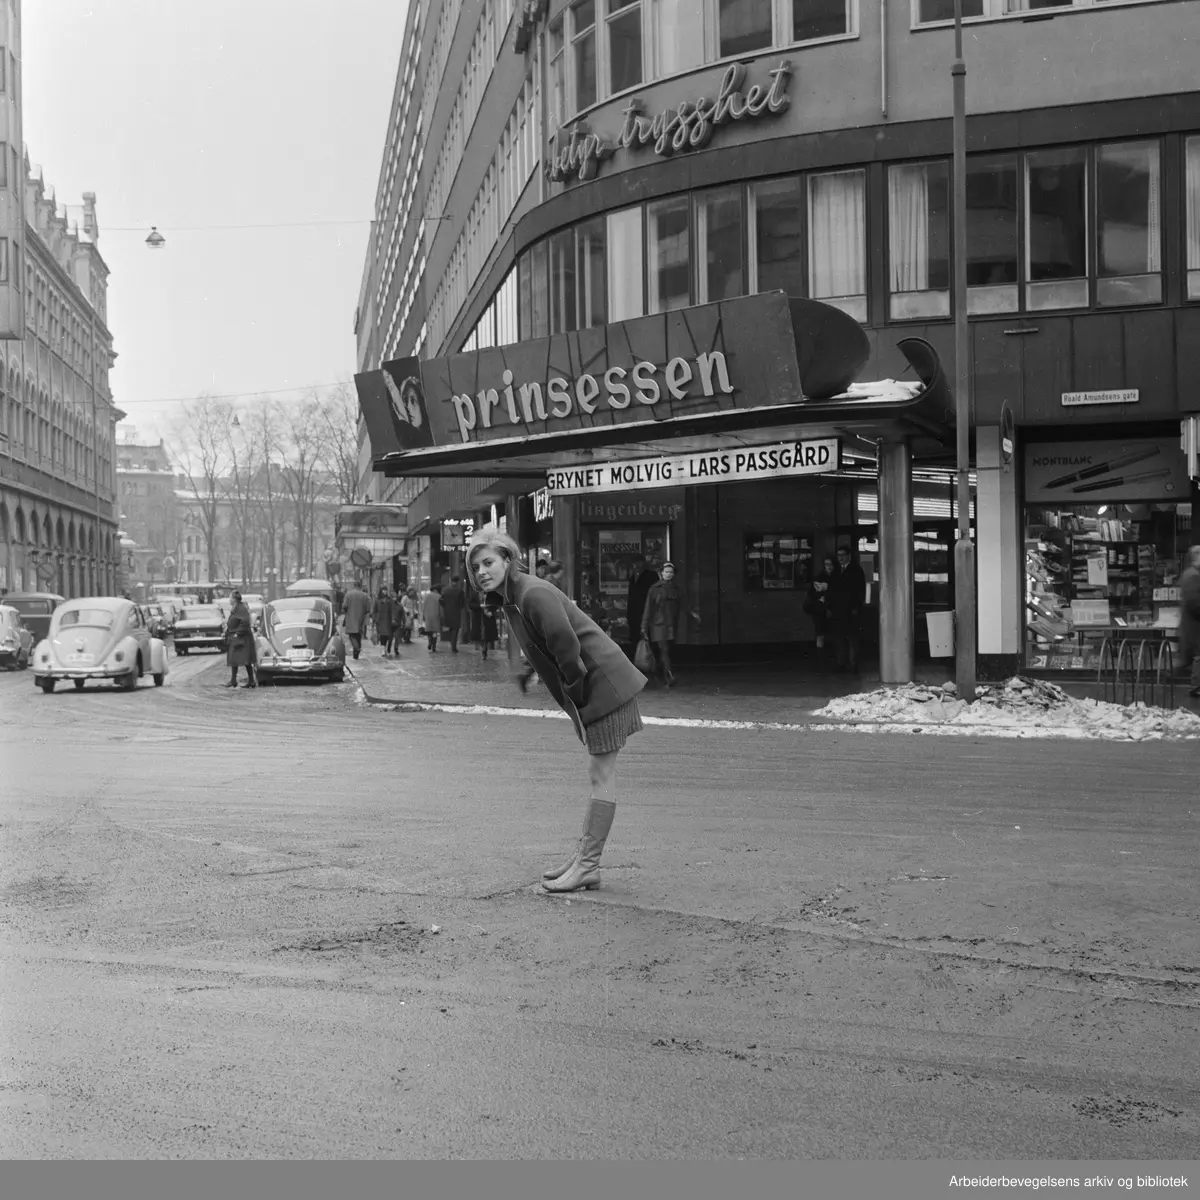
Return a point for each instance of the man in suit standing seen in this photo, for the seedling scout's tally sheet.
(847, 594)
(642, 577)
(453, 604)
(356, 608)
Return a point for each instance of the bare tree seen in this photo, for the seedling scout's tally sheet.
(300, 457)
(268, 423)
(244, 454)
(337, 425)
(200, 446)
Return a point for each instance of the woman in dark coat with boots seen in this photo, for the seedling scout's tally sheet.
(585, 671)
(382, 615)
(239, 641)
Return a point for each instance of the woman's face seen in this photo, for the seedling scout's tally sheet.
(490, 567)
(668, 573)
(829, 565)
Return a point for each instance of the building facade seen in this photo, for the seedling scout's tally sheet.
(58, 520)
(616, 161)
(149, 512)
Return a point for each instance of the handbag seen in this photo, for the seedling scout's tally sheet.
(374, 634)
(643, 657)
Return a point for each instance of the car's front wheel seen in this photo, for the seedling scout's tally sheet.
(181, 650)
(128, 681)
(47, 685)
(78, 684)
(158, 678)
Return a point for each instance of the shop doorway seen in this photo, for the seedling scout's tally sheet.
(606, 570)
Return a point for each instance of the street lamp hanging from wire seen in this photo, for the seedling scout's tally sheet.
(155, 241)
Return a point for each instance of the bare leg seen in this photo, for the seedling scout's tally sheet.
(602, 769)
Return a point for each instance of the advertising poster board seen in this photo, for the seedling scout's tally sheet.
(617, 550)
(777, 561)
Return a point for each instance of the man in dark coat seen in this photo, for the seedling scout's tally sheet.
(383, 620)
(1189, 616)
(846, 595)
(642, 577)
(356, 608)
(454, 601)
(239, 640)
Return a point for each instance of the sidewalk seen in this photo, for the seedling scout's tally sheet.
(786, 691)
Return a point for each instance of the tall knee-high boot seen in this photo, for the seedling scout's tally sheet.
(556, 872)
(584, 872)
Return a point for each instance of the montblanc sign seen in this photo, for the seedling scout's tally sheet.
(777, 461)
(579, 151)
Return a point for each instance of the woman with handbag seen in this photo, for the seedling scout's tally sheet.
(816, 603)
(585, 671)
(666, 603)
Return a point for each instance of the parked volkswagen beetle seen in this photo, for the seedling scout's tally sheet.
(98, 637)
(298, 636)
(16, 642)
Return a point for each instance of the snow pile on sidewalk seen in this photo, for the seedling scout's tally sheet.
(1019, 707)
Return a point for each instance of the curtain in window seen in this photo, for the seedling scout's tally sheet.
(625, 264)
(1192, 191)
(678, 37)
(836, 234)
(908, 227)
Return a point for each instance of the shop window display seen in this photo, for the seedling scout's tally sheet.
(1097, 571)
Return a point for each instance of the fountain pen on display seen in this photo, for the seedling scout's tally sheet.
(1122, 460)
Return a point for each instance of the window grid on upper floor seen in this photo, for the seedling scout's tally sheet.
(930, 12)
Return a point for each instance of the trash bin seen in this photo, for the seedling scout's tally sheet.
(941, 634)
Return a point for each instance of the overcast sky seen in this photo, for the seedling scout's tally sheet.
(190, 115)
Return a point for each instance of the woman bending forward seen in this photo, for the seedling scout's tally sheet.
(584, 670)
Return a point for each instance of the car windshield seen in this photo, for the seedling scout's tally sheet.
(291, 613)
(202, 613)
(31, 607)
(96, 618)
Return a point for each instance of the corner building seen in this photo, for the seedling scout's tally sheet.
(569, 178)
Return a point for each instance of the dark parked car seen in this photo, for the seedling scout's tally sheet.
(298, 637)
(200, 627)
(35, 609)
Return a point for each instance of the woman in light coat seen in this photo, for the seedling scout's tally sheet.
(585, 671)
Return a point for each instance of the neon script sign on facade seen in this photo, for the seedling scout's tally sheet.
(528, 403)
(689, 126)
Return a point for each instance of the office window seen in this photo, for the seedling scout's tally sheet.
(719, 269)
(818, 19)
(837, 241)
(743, 26)
(1020, 6)
(3, 80)
(1128, 224)
(557, 77)
(1056, 230)
(583, 52)
(624, 44)
(668, 251)
(943, 10)
(624, 249)
(539, 258)
(992, 234)
(776, 236)
(1191, 174)
(590, 269)
(678, 36)
(4, 164)
(4, 275)
(918, 240)
(562, 282)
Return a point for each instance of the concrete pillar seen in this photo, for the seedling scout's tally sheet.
(999, 550)
(566, 539)
(895, 563)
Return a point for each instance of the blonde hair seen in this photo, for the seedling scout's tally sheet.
(491, 537)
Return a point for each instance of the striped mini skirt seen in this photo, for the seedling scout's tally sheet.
(610, 732)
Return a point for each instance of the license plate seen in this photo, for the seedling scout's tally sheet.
(300, 654)
(81, 658)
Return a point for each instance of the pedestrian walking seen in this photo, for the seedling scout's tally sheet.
(356, 608)
(642, 577)
(556, 575)
(397, 614)
(433, 614)
(409, 604)
(846, 596)
(1189, 617)
(454, 601)
(489, 634)
(239, 641)
(585, 671)
(816, 602)
(381, 614)
(666, 602)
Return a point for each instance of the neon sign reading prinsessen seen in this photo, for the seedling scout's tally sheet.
(689, 126)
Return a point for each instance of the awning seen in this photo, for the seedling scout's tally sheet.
(749, 372)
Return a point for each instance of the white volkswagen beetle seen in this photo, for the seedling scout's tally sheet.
(98, 637)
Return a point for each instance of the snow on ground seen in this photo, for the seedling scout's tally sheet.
(1019, 707)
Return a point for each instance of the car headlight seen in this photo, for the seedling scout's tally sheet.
(119, 656)
(45, 657)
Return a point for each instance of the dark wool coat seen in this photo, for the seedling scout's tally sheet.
(1189, 616)
(383, 616)
(356, 607)
(665, 602)
(453, 603)
(585, 671)
(239, 636)
(846, 596)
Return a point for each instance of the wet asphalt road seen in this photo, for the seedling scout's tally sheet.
(217, 916)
